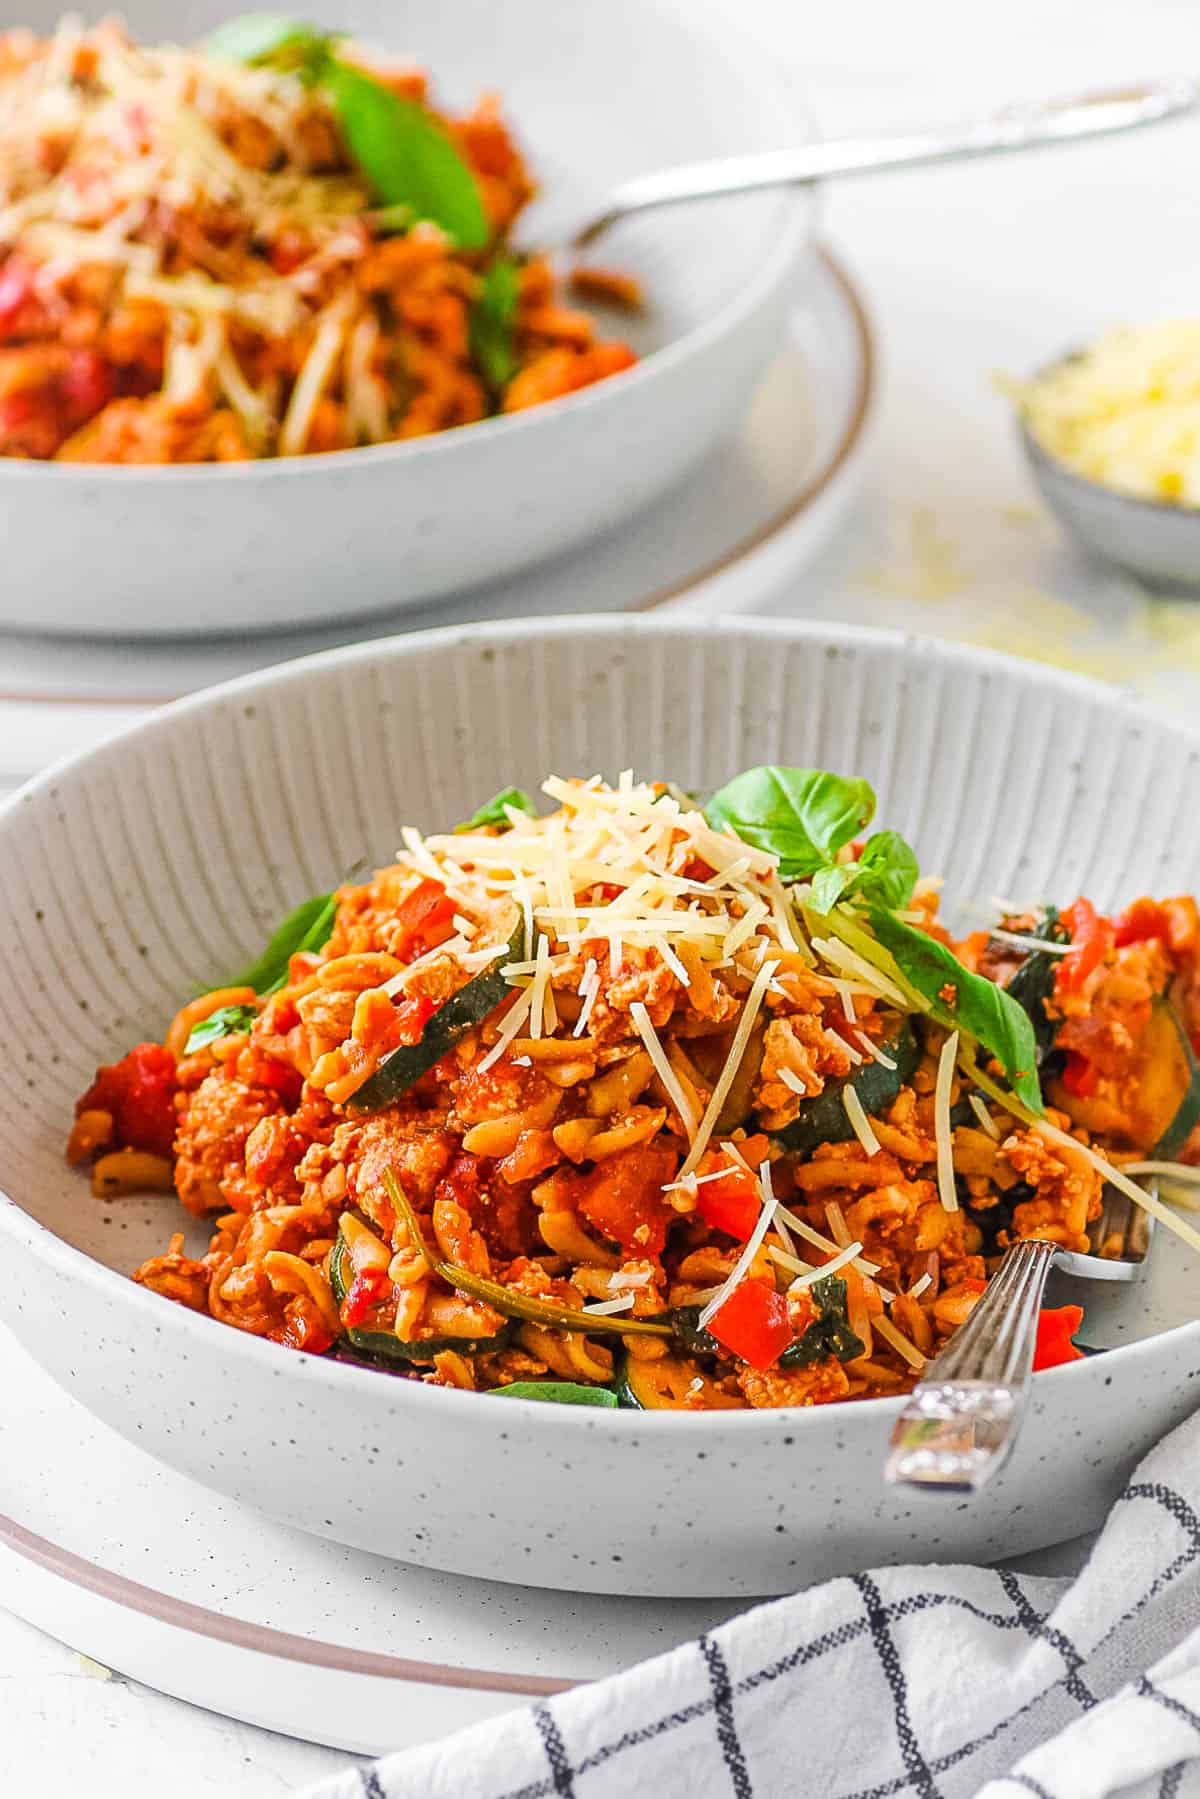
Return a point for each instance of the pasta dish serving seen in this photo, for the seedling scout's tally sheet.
(655, 1100)
(271, 245)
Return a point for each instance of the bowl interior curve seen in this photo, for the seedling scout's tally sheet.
(163, 859)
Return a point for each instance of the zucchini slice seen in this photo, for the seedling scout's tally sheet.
(385, 1346)
(669, 1385)
(464, 1010)
(558, 1392)
(1165, 1107)
(824, 1119)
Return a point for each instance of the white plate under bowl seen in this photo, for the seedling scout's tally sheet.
(150, 1573)
(758, 509)
(160, 860)
(598, 90)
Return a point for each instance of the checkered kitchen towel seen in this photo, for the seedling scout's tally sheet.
(918, 1683)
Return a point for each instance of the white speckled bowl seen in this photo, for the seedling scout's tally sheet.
(160, 858)
(597, 91)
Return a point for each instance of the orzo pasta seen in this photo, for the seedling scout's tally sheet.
(652, 1101)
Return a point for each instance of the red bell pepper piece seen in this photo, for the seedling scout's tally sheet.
(411, 1018)
(1091, 940)
(732, 1203)
(1056, 1327)
(1140, 923)
(754, 1323)
(1080, 1076)
(365, 1289)
(424, 916)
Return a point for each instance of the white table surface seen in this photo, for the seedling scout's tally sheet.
(969, 271)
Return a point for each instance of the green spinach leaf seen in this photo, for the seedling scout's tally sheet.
(493, 813)
(406, 155)
(1033, 983)
(964, 1001)
(306, 930)
(491, 324)
(829, 1334)
(226, 1021)
(560, 1392)
(802, 815)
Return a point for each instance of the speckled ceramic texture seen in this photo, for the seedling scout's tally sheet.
(298, 541)
(163, 857)
(1157, 543)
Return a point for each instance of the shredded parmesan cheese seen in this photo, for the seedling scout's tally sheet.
(941, 1123)
(841, 1260)
(666, 1074)
(986, 1121)
(737, 1049)
(904, 1346)
(860, 1124)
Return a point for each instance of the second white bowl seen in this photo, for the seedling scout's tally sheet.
(596, 92)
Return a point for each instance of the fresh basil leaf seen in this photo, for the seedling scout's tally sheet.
(802, 815)
(887, 870)
(965, 1001)
(829, 1334)
(407, 157)
(307, 929)
(493, 813)
(829, 884)
(491, 324)
(259, 36)
(560, 1392)
(226, 1021)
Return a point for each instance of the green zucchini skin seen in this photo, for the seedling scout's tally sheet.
(448, 1025)
(824, 1120)
(384, 1346)
(1188, 1116)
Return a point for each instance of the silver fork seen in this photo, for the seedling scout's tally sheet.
(1024, 126)
(962, 1419)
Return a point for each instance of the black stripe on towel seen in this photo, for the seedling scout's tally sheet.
(727, 1735)
(556, 1752)
(915, 1765)
(1148, 1690)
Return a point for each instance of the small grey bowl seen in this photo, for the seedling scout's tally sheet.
(1156, 542)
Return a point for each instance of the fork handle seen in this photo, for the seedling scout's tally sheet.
(960, 1423)
(1015, 127)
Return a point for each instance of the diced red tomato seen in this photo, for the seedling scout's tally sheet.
(754, 1323)
(1080, 1076)
(732, 1203)
(87, 385)
(258, 1070)
(424, 917)
(623, 1197)
(1056, 1328)
(365, 1289)
(412, 1017)
(1139, 923)
(139, 1092)
(16, 289)
(1091, 940)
